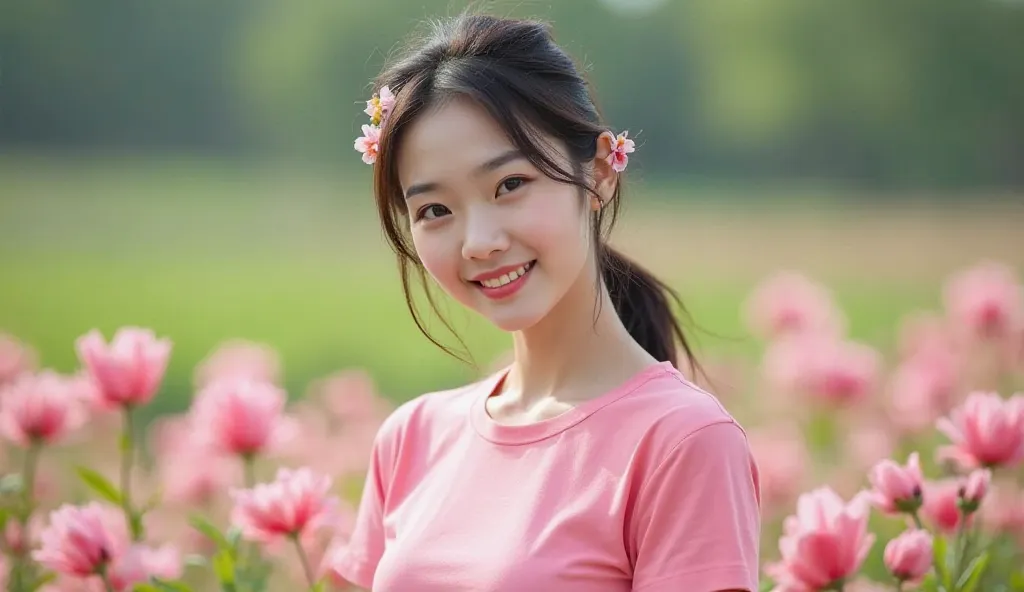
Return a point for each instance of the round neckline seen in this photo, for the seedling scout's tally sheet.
(500, 433)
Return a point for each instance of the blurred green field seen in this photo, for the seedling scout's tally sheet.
(203, 252)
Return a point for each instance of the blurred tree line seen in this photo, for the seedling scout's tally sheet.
(909, 94)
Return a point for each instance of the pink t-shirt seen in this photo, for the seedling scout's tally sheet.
(650, 487)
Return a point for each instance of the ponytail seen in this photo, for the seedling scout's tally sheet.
(644, 303)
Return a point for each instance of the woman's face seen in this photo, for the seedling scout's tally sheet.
(493, 231)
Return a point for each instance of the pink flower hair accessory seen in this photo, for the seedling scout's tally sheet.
(621, 146)
(378, 108)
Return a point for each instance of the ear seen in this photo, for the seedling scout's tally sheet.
(606, 179)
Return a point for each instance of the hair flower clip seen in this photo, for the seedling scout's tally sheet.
(378, 108)
(621, 146)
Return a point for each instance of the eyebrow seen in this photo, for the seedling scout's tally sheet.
(492, 164)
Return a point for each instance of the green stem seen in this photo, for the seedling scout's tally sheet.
(249, 464)
(127, 460)
(28, 476)
(899, 586)
(106, 581)
(961, 546)
(305, 561)
(917, 521)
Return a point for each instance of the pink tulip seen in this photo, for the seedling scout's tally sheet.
(81, 540)
(129, 370)
(238, 358)
(941, 506)
(39, 409)
(789, 303)
(836, 372)
(985, 301)
(909, 556)
(16, 358)
(824, 543)
(241, 417)
(897, 488)
(294, 504)
(974, 488)
(139, 563)
(985, 431)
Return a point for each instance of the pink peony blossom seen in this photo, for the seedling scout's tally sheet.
(237, 358)
(897, 488)
(838, 373)
(986, 301)
(985, 431)
(790, 303)
(621, 146)
(81, 540)
(294, 504)
(16, 358)
(824, 543)
(129, 370)
(909, 556)
(974, 488)
(369, 143)
(241, 416)
(39, 409)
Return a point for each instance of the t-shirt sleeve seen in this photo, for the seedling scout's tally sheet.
(357, 561)
(697, 522)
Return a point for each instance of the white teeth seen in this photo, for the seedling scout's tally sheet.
(507, 278)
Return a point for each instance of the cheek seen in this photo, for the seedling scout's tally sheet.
(439, 256)
(557, 227)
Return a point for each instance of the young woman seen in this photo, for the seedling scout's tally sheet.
(589, 464)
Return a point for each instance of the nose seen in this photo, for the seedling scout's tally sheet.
(485, 234)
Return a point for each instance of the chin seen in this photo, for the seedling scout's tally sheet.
(511, 321)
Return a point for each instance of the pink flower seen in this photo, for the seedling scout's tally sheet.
(986, 301)
(350, 396)
(19, 540)
(380, 106)
(39, 409)
(974, 487)
(909, 556)
(782, 460)
(193, 476)
(922, 389)
(924, 332)
(620, 147)
(139, 563)
(825, 542)
(369, 143)
(897, 488)
(238, 358)
(941, 504)
(15, 358)
(294, 504)
(240, 416)
(985, 431)
(80, 540)
(129, 371)
(789, 302)
(823, 368)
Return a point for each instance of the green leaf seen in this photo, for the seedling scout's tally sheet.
(100, 485)
(234, 535)
(1017, 581)
(212, 532)
(972, 575)
(171, 585)
(320, 586)
(145, 587)
(224, 567)
(941, 558)
(43, 580)
(195, 560)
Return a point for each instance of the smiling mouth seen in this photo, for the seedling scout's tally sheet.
(507, 279)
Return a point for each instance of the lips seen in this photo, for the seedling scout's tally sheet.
(503, 282)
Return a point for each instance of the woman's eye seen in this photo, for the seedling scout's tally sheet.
(511, 184)
(432, 212)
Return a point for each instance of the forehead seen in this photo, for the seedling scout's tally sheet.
(450, 139)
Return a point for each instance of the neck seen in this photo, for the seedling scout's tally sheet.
(573, 354)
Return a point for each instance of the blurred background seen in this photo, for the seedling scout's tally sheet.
(188, 166)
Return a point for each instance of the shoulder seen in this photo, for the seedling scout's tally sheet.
(427, 414)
